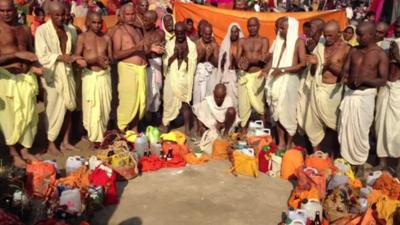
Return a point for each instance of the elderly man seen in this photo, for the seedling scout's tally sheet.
(388, 109)
(326, 90)
(18, 85)
(216, 112)
(252, 57)
(282, 85)
(130, 49)
(95, 48)
(141, 7)
(381, 32)
(365, 70)
(179, 67)
(54, 45)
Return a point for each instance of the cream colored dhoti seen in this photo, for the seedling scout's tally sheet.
(154, 84)
(18, 115)
(204, 81)
(131, 93)
(355, 120)
(303, 104)
(96, 102)
(387, 120)
(251, 94)
(230, 80)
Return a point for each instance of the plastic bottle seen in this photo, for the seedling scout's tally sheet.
(141, 145)
(169, 154)
(317, 220)
(312, 206)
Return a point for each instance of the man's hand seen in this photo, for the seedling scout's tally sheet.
(219, 126)
(243, 63)
(157, 48)
(263, 73)
(276, 72)
(103, 61)
(37, 70)
(312, 59)
(27, 56)
(69, 58)
(82, 63)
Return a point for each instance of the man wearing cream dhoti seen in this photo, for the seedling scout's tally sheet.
(317, 28)
(252, 57)
(228, 69)
(388, 110)
(18, 85)
(95, 48)
(206, 76)
(179, 67)
(365, 70)
(326, 89)
(130, 50)
(54, 44)
(167, 25)
(288, 59)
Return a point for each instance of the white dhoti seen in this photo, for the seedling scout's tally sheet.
(387, 120)
(18, 114)
(303, 104)
(230, 80)
(96, 102)
(204, 81)
(355, 120)
(154, 84)
(58, 79)
(209, 113)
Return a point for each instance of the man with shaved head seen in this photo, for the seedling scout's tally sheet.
(154, 69)
(141, 7)
(388, 109)
(18, 85)
(216, 112)
(326, 89)
(131, 51)
(381, 32)
(288, 59)
(252, 58)
(180, 61)
(315, 38)
(365, 70)
(53, 43)
(207, 62)
(95, 48)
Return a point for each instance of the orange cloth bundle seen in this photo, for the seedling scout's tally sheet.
(41, 178)
(291, 161)
(258, 142)
(388, 185)
(298, 195)
(192, 159)
(244, 164)
(220, 149)
(320, 161)
(77, 179)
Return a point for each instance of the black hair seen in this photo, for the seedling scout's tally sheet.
(38, 10)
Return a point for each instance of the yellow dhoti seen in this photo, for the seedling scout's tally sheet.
(251, 94)
(96, 102)
(18, 115)
(131, 93)
(387, 120)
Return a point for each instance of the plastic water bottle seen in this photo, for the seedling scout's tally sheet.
(141, 145)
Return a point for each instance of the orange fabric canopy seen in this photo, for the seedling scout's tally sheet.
(222, 18)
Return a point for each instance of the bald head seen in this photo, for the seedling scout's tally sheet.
(142, 6)
(180, 32)
(124, 7)
(381, 31)
(8, 11)
(151, 15)
(332, 25)
(253, 19)
(368, 27)
(56, 6)
(253, 26)
(366, 32)
(317, 27)
(219, 94)
(331, 33)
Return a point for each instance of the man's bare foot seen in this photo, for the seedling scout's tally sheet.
(382, 165)
(69, 147)
(19, 162)
(360, 172)
(28, 156)
(52, 149)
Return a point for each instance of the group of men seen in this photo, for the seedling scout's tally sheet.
(136, 69)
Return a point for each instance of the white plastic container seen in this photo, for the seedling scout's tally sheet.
(373, 177)
(141, 145)
(253, 126)
(71, 199)
(73, 163)
(312, 207)
(275, 166)
(363, 202)
(299, 215)
(155, 148)
(248, 151)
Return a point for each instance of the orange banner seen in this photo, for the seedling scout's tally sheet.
(80, 21)
(222, 18)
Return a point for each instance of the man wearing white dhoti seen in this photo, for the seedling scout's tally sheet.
(326, 89)
(388, 110)
(288, 59)
(54, 44)
(365, 70)
(227, 63)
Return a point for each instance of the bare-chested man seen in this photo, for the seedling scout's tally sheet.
(207, 61)
(141, 7)
(227, 63)
(252, 57)
(326, 89)
(388, 109)
(288, 60)
(130, 50)
(196, 36)
(95, 48)
(180, 62)
(365, 70)
(18, 85)
(53, 42)
(154, 70)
